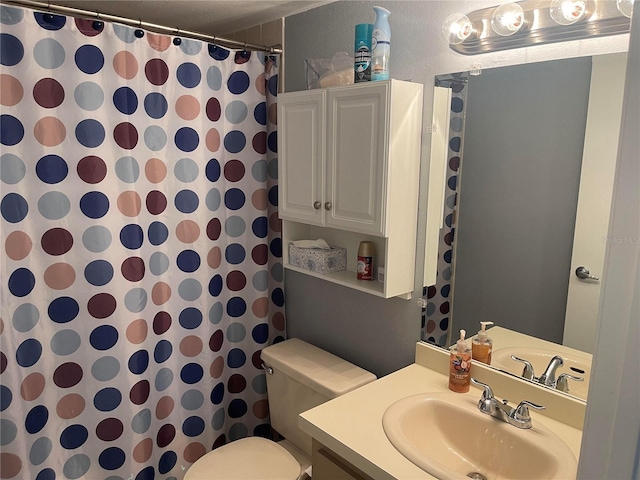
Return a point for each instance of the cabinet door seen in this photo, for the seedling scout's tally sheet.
(301, 144)
(356, 157)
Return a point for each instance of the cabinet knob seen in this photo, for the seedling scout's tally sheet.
(317, 205)
(327, 206)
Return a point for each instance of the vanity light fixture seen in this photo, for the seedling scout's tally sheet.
(625, 7)
(535, 22)
(508, 19)
(457, 28)
(567, 12)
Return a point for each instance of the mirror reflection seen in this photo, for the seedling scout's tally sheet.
(532, 151)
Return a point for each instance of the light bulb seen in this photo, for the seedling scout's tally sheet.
(625, 7)
(507, 19)
(567, 12)
(457, 28)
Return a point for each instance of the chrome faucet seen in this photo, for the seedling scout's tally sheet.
(548, 378)
(518, 417)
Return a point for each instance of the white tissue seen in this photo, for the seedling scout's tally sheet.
(319, 243)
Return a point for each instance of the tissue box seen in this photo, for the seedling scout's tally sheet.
(318, 259)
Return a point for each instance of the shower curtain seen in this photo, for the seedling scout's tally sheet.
(141, 271)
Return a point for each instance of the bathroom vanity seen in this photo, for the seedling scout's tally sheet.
(350, 441)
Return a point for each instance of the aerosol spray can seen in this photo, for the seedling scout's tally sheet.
(362, 53)
(366, 260)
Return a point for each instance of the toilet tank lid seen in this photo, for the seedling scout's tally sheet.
(318, 369)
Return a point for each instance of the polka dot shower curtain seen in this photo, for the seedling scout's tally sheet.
(140, 269)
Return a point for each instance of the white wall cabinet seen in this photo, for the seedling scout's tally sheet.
(349, 161)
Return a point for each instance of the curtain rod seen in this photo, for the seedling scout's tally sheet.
(224, 42)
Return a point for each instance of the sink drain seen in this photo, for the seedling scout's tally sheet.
(476, 476)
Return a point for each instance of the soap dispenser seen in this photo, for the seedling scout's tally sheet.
(460, 365)
(482, 345)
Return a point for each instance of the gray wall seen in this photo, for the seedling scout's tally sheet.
(377, 334)
(518, 193)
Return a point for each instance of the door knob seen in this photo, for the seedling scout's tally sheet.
(583, 274)
(317, 205)
(327, 206)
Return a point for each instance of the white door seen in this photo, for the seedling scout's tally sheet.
(356, 157)
(301, 144)
(594, 200)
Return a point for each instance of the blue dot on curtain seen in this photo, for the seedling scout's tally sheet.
(191, 373)
(273, 195)
(73, 436)
(14, 208)
(63, 309)
(277, 297)
(36, 419)
(11, 50)
(89, 59)
(51, 169)
(167, 462)
(94, 204)
(11, 130)
(46, 474)
(452, 182)
(193, 426)
(187, 139)
(125, 100)
(235, 141)
(138, 362)
(218, 53)
(234, 199)
(186, 201)
(444, 291)
(28, 352)
(111, 458)
(21, 282)
(217, 394)
(132, 236)
(10, 15)
(276, 247)
(457, 105)
(237, 408)
(49, 21)
(190, 318)
(162, 351)
(272, 85)
(238, 82)
(236, 358)
(260, 227)
(235, 253)
(213, 170)
(260, 333)
(98, 273)
(455, 144)
(236, 307)
(272, 142)
(103, 337)
(90, 133)
(188, 261)
(107, 399)
(156, 105)
(147, 473)
(157, 233)
(5, 397)
(215, 285)
(447, 256)
(260, 113)
(189, 75)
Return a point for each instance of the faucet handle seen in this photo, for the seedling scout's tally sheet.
(487, 403)
(527, 372)
(488, 392)
(563, 385)
(521, 412)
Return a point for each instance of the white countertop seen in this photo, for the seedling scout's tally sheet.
(351, 425)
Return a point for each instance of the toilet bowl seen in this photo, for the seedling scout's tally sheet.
(300, 376)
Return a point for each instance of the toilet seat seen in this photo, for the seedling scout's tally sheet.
(251, 458)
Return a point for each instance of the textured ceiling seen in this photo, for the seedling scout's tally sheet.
(212, 17)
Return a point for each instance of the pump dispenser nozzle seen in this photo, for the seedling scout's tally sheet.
(482, 334)
(461, 344)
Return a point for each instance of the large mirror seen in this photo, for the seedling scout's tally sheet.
(531, 156)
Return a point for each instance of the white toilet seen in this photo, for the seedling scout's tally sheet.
(300, 376)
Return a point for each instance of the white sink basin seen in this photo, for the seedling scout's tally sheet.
(448, 437)
(539, 359)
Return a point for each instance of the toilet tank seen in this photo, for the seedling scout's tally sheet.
(302, 376)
